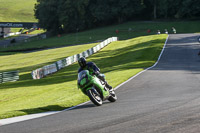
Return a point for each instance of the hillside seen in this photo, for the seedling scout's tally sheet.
(17, 10)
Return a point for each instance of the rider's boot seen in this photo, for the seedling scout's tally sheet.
(101, 77)
(108, 86)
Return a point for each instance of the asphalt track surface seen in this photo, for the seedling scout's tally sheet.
(164, 99)
(7, 42)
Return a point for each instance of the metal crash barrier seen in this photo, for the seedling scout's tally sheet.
(52, 68)
(9, 76)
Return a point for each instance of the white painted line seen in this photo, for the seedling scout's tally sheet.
(25, 117)
(33, 116)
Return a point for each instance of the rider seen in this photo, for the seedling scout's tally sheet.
(91, 67)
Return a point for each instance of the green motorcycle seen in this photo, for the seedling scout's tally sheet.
(95, 88)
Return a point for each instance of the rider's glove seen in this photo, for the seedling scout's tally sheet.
(97, 73)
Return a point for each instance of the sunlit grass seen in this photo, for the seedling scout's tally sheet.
(37, 31)
(17, 10)
(28, 61)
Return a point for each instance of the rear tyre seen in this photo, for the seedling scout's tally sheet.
(113, 96)
(94, 97)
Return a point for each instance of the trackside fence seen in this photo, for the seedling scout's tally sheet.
(52, 68)
(12, 34)
(9, 76)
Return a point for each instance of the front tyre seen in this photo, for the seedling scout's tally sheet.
(94, 97)
(113, 96)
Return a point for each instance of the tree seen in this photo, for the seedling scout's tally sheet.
(78, 15)
(73, 14)
(124, 10)
(189, 9)
(46, 11)
(112, 11)
(172, 8)
(150, 10)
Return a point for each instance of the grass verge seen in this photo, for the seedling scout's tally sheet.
(118, 61)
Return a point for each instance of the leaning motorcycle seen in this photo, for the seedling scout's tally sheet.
(95, 88)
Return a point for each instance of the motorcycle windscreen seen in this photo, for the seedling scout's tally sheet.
(83, 78)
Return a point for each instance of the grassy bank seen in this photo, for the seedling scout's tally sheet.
(17, 10)
(59, 91)
(125, 31)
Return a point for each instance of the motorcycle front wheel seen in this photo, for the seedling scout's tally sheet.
(94, 97)
(113, 97)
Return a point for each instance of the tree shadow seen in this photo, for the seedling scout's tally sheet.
(52, 108)
(43, 109)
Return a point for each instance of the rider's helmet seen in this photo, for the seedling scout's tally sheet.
(199, 39)
(82, 62)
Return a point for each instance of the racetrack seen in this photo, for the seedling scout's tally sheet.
(163, 99)
(19, 38)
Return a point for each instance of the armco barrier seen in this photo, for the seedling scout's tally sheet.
(9, 76)
(12, 34)
(49, 69)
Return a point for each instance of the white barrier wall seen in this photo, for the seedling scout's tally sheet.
(12, 34)
(52, 68)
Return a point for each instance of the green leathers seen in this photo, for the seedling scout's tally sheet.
(94, 88)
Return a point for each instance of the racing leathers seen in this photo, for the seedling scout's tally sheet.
(92, 68)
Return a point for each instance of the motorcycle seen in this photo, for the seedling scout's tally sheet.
(95, 88)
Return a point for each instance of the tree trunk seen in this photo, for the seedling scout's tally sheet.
(155, 9)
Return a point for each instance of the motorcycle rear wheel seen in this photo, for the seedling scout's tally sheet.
(94, 97)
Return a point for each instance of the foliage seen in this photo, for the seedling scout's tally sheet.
(77, 15)
(190, 8)
(112, 11)
(178, 9)
(47, 14)
(73, 15)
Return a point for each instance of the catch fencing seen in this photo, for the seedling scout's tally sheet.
(52, 68)
(9, 76)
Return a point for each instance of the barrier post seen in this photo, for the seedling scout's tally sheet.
(1, 77)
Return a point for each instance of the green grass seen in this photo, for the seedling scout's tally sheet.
(118, 61)
(38, 31)
(137, 29)
(17, 11)
(15, 30)
(26, 62)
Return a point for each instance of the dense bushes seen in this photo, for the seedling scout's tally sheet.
(77, 15)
